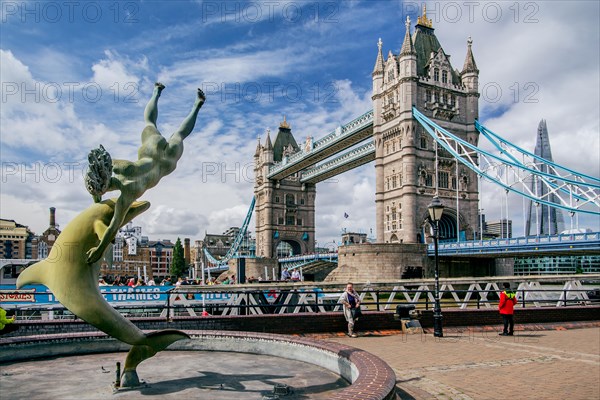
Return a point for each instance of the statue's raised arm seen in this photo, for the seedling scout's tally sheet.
(157, 157)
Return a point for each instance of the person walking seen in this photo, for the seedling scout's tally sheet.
(351, 303)
(508, 299)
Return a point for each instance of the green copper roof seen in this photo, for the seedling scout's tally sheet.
(284, 139)
(425, 42)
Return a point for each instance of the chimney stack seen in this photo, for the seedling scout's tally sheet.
(52, 217)
(186, 251)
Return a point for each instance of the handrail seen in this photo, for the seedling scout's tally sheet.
(280, 299)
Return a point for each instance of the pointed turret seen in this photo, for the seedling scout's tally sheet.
(470, 74)
(407, 60)
(378, 69)
(407, 45)
(267, 152)
(470, 65)
(268, 143)
(258, 147)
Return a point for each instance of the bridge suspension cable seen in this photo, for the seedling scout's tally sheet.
(237, 241)
(561, 187)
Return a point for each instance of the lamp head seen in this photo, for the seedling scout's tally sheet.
(436, 209)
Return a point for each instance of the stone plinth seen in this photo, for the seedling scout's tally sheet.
(377, 262)
(254, 267)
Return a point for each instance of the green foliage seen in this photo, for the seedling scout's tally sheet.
(178, 267)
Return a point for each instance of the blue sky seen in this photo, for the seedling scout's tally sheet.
(75, 75)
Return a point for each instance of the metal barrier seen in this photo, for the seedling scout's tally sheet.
(198, 301)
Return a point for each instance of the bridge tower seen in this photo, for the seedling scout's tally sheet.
(405, 161)
(285, 209)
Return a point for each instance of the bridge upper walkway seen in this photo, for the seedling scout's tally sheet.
(342, 138)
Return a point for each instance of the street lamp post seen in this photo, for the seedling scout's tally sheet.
(436, 209)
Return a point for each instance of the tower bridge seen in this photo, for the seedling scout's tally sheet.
(423, 136)
(403, 152)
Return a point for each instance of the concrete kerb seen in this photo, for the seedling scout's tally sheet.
(370, 376)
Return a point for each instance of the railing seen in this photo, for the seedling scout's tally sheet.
(273, 298)
(309, 257)
(495, 244)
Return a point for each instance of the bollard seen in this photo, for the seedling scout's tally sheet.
(118, 377)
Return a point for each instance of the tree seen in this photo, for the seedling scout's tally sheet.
(178, 266)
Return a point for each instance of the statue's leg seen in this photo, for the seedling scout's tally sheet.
(189, 122)
(151, 111)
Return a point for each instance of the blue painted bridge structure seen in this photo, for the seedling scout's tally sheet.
(553, 245)
(506, 165)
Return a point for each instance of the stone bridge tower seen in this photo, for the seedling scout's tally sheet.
(285, 209)
(422, 75)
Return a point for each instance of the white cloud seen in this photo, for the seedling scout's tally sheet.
(115, 70)
(40, 117)
(235, 68)
(212, 186)
(171, 221)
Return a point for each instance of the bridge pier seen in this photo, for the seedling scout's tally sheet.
(392, 261)
(254, 267)
(378, 262)
(459, 267)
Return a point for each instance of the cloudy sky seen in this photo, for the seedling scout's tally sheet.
(78, 74)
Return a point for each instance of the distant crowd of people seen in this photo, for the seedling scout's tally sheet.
(168, 281)
(287, 275)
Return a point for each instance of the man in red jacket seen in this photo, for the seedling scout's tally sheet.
(508, 299)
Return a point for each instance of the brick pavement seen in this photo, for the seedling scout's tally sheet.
(541, 362)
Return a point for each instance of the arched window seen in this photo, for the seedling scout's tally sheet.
(429, 180)
(444, 76)
(436, 75)
(443, 179)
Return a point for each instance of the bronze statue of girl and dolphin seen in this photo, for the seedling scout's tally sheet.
(72, 267)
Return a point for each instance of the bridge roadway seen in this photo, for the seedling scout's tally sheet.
(565, 244)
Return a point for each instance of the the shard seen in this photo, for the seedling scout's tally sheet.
(543, 219)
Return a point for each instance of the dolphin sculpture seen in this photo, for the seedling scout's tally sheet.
(74, 283)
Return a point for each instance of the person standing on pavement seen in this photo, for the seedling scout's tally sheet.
(508, 299)
(351, 303)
